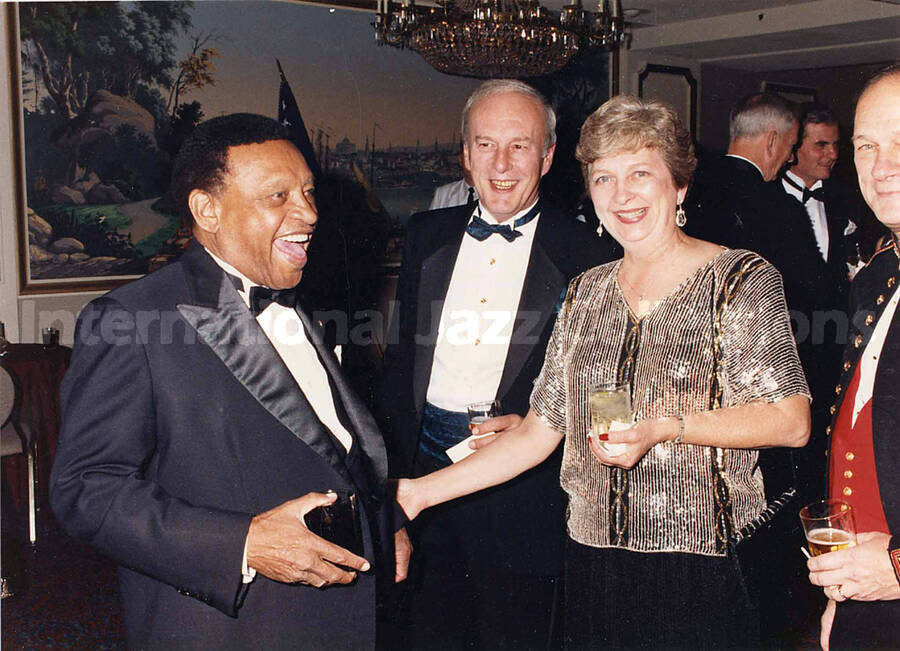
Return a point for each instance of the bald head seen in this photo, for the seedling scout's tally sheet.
(876, 146)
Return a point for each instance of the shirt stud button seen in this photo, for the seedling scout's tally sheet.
(484, 300)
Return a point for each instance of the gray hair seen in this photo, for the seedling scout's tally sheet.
(760, 112)
(494, 86)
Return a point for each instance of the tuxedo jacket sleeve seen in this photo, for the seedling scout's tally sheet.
(102, 489)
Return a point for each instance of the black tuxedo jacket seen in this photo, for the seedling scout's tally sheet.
(528, 509)
(857, 623)
(730, 204)
(180, 423)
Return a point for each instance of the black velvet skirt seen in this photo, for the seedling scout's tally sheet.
(617, 598)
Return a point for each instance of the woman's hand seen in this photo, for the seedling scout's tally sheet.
(491, 429)
(409, 499)
(637, 440)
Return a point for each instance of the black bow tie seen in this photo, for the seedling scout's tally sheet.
(262, 297)
(481, 230)
(818, 194)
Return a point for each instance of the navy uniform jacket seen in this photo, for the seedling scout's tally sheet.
(860, 624)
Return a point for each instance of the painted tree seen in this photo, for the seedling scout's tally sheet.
(80, 47)
(194, 71)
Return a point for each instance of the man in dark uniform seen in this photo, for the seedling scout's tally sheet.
(862, 583)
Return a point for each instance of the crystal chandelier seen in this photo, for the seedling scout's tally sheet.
(497, 38)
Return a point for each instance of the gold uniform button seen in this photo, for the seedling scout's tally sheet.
(857, 341)
(880, 299)
(837, 390)
(849, 456)
(847, 365)
(891, 281)
(848, 491)
(828, 430)
(832, 409)
(848, 474)
(870, 319)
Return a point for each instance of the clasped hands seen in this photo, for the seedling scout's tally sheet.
(281, 547)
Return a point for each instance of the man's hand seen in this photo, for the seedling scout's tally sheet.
(491, 429)
(402, 551)
(827, 621)
(282, 548)
(862, 573)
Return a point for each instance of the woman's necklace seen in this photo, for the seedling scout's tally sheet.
(640, 294)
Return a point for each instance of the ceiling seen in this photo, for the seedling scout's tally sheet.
(757, 35)
(761, 35)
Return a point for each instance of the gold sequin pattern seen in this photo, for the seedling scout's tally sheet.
(669, 498)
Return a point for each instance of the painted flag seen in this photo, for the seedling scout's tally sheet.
(289, 116)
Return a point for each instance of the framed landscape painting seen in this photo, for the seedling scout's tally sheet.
(105, 92)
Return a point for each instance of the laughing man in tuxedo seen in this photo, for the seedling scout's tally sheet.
(477, 297)
(203, 418)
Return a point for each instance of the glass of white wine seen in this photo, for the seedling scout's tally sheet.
(611, 412)
(828, 525)
(482, 411)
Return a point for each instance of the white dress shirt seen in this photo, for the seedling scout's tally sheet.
(478, 316)
(285, 330)
(452, 194)
(814, 208)
(868, 364)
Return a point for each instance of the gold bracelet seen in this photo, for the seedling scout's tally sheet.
(680, 438)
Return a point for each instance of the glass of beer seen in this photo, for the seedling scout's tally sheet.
(482, 411)
(611, 412)
(828, 525)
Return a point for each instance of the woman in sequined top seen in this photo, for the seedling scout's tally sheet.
(689, 325)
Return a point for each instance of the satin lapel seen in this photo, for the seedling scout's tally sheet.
(434, 281)
(235, 337)
(541, 292)
(365, 431)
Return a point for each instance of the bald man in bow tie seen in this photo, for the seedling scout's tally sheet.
(478, 293)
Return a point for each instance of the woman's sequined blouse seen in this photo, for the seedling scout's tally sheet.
(666, 503)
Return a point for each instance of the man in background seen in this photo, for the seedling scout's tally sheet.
(827, 243)
(457, 193)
